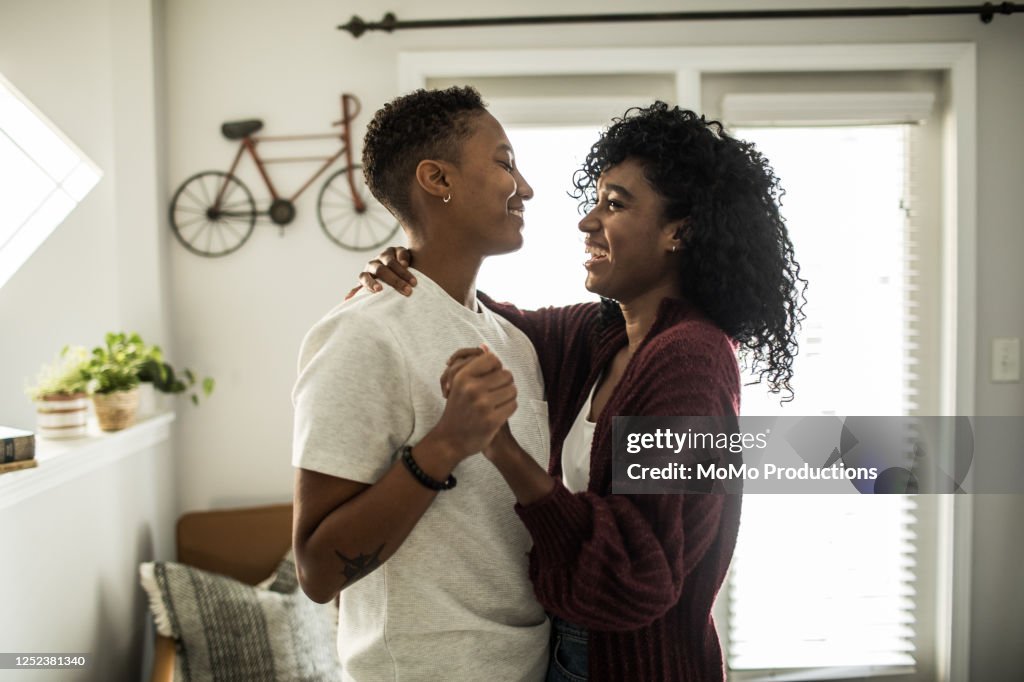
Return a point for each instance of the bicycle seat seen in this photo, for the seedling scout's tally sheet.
(236, 130)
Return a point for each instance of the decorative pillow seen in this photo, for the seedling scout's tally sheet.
(227, 630)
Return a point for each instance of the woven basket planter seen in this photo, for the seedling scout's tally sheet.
(116, 411)
(62, 416)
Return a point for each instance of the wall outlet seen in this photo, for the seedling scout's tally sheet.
(1006, 359)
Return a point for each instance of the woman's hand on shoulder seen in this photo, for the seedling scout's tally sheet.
(391, 267)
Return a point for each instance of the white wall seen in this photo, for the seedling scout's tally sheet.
(69, 577)
(69, 580)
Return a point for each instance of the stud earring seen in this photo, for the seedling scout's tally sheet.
(447, 198)
(674, 247)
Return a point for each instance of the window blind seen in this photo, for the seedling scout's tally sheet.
(825, 587)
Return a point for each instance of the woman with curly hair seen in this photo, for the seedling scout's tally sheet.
(692, 260)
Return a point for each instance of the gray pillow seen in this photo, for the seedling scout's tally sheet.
(227, 630)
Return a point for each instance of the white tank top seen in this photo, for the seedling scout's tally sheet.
(576, 450)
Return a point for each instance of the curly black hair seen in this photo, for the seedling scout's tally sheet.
(424, 124)
(737, 262)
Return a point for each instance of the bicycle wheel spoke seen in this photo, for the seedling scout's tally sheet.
(223, 238)
(378, 219)
(197, 200)
(233, 228)
(337, 191)
(234, 219)
(385, 230)
(185, 225)
(209, 238)
(345, 230)
(340, 214)
(199, 232)
(206, 192)
(233, 223)
(233, 232)
(193, 211)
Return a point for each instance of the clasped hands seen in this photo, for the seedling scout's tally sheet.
(481, 393)
(481, 397)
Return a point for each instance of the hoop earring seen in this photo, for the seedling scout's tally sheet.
(447, 198)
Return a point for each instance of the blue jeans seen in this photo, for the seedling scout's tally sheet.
(568, 657)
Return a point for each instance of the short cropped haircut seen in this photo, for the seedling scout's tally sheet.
(425, 124)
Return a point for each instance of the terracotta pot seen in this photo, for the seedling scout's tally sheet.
(116, 411)
(62, 416)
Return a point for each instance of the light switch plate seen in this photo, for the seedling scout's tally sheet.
(1006, 359)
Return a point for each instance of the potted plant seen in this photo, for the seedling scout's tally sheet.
(113, 372)
(157, 372)
(60, 396)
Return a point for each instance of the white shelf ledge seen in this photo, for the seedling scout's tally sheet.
(61, 461)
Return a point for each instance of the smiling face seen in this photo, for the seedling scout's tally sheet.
(488, 192)
(628, 238)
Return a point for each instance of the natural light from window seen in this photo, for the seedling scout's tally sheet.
(548, 270)
(827, 581)
(43, 176)
(844, 208)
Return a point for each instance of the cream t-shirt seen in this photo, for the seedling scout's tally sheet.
(455, 601)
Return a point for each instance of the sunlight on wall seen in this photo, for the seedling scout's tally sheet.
(548, 270)
(43, 177)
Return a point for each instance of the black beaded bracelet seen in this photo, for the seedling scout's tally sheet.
(422, 476)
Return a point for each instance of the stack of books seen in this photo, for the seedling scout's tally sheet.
(17, 449)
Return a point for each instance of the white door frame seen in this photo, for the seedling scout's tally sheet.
(959, 227)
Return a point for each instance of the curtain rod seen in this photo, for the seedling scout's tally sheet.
(390, 23)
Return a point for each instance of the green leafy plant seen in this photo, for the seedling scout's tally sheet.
(121, 364)
(156, 370)
(67, 375)
(115, 366)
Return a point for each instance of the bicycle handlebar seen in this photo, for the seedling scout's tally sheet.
(347, 116)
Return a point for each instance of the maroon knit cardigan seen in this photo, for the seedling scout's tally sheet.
(639, 572)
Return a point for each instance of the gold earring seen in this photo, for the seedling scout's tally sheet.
(447, 198)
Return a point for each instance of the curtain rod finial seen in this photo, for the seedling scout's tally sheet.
(356, 26)
(988, 11)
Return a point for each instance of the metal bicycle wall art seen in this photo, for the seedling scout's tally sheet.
(213, 212)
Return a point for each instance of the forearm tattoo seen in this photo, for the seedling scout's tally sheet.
(355, 568)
